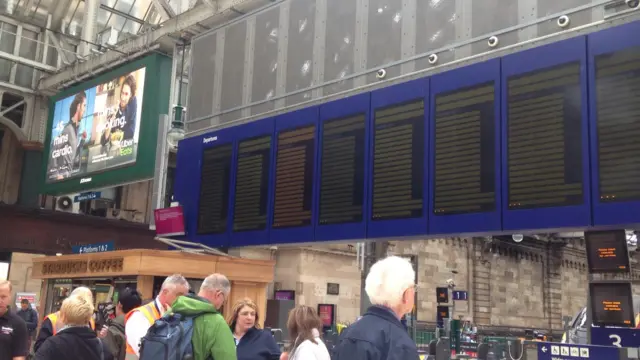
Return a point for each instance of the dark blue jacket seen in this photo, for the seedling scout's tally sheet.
(30, 317)
(258, 344)
(378, 335)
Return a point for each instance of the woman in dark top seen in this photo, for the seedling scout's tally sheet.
(76, 340)
(252, 343)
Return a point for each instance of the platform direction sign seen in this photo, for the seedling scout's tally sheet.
(557, 351)
(93, 248)
(615, 336)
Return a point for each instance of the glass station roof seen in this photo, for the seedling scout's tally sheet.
(123, 16)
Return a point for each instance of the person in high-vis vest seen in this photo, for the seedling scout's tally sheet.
(52, 324)
(138, 321)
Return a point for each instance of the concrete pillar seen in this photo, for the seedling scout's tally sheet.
(89, 25)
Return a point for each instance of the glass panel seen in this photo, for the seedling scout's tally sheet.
(52, 56)
(8, 38)
(29, 44)
(24, 76)
(5, 69)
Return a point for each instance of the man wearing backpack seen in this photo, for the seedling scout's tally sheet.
(194, 327)
(115, 340)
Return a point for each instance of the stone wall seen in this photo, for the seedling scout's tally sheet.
(11, 154)
(20, 274)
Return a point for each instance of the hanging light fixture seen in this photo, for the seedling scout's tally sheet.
(176, 133)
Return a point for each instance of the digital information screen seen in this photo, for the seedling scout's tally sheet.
(618, 123)
(252, 182)
(612, 304)
(442, 295)
(442, 314)
(607, 251)
(544, 139)
(398, 162)
(465, 151)
(214, 190)
(342, 175)
(294, 177)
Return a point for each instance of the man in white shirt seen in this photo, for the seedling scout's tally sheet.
(138, 321)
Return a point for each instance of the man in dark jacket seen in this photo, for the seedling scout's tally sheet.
(379, 334)
(115, 340)
(30, 317)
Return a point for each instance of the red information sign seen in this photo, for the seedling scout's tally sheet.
(169, 221)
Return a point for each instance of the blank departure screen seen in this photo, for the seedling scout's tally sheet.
(618, 124)
(214, 190)
(612, 304)
(294, 177)
(398, 162)
(465, 151)
(545, 138)
(252, 182)
(607, 251)
(342, 174)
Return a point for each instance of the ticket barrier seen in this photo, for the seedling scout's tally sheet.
(439, 349)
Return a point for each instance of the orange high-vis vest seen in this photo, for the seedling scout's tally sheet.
(150, 312)
(57, 325)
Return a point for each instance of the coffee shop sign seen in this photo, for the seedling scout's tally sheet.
(82, 266)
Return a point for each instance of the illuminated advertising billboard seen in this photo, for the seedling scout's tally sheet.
(97, 129)
(104, 132)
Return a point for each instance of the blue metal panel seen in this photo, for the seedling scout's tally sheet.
(195, 151)
(600, 43)
(485, 73)
(552, 217)
(247, 131)
(187, 181)
(344, 108)
(395, 96)
(292, 121)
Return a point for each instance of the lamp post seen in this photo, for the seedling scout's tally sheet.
(177, 124)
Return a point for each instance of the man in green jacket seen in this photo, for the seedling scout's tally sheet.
(212, 337)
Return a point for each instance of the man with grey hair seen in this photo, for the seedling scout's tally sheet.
(212, 337)
(138, 321)
(379, 334)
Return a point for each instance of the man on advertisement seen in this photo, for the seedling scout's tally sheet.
(65, 148)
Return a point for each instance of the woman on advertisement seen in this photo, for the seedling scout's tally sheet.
(64, 159)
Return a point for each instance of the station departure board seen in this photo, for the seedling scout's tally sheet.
(294, 177)
(342, 170)
(544, 138)
(607, 251)
(612, 304)
(213, 208)
(465, 151)
(618, 123)
(252, 184)
(398, 161)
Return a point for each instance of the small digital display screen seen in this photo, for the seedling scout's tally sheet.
(398, 162)
(442, 294)
(294, 177)
(252, 182)
(465, 151)
(607, 251)
(544, 119)
(342, 174)
(213, 209)
(442, 314)
(618, 123)
(612, 304)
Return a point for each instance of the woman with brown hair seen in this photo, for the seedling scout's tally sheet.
(303, 326)
(252, 343)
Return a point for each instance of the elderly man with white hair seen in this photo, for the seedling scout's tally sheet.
(139, 320)
(379, 334)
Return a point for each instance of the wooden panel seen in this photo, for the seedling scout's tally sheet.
(166, 263)
(257, 292)
(246, 270)
(145, 286)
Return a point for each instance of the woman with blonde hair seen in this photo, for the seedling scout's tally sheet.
(252, 343)
(75, 340)
(304, 329)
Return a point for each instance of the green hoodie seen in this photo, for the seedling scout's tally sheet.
(212, 338)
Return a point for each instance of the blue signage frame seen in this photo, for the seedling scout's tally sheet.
(93, 248)
(381, 98)
(528, 61)
(461, 78)
(330, 111)
(604, 42)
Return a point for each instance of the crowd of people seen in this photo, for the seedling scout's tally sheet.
(191, 326)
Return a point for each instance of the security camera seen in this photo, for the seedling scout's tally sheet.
(451, 283)
(517, 237)
(493, 41)
(633, 3)
(381, 74)
(433, 58)
(563, 21)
